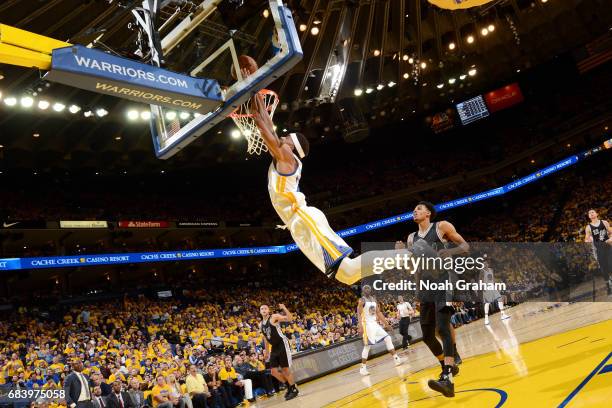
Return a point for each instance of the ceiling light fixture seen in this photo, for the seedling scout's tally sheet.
(132, 114)
(27, 101)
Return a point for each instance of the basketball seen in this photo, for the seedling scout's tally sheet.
(247, 62)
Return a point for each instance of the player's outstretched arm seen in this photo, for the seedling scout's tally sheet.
(266, 128)
(588, 237)
(279, 318)
(450, 233)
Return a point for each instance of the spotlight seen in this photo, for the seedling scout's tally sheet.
(314, 30)
(358, 92)
(369, 90)
(380, 86)
(58, 107)
(491, 28)
(484, 32)
(36, 135)
(74, 109)
(411, 60)
(462, 76)
(132, 114)
(235, 134)
(266, 13)
(101, 112)
(440, 86)
(43, 105)
(184, 115)
(117, 137)
(451, 80)
(451, 46)
(470, 39)
(391, 84)
(317, 22)
(10, 101)
(406, 75)
(303, 27)
(376, 53)
(472, 72)
(405, 57)
(27, 101)
(171, 115)
(423, 65)
(87, 114)
(145, 115)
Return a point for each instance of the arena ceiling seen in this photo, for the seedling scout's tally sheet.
(403, 42)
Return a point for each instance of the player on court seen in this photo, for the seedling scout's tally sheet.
(404, 311)
(599, 233)
(436, 308)
(491, 296)
(369, 316)
(308, 225)
(279, 354)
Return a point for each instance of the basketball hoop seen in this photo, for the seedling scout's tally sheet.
(243, 118)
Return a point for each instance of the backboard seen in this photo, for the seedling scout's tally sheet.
(196, 36)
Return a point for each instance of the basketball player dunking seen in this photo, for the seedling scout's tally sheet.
(279, 354)
(436, 309)
(308, 225)
(599, 233)
(369, 316)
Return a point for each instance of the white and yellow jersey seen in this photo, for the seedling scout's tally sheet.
(372, 331)
(308, 225)
(285, 192)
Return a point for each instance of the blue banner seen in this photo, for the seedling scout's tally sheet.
(110, 259)
(98, 71)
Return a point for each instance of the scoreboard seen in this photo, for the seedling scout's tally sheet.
(472, 109)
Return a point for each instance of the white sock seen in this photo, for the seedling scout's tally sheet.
(363, 365)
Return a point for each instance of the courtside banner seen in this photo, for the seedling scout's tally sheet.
(83, 224)
(127, 258)
(143, 224)
(97, 71)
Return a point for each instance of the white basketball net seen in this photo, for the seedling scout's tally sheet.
(243, 118)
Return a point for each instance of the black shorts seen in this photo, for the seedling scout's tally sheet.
(279, 357)
(429, 311)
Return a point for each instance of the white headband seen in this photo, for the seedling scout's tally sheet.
(297, 145)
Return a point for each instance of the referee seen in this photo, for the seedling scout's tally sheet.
(404, 311)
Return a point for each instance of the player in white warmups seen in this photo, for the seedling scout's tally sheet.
(370, 317)
(490, 296)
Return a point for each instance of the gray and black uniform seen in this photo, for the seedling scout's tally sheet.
(434, 309)
(603, 250)
(280, 355)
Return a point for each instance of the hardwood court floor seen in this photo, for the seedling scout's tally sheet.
(544, 356)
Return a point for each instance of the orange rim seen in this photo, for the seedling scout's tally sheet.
(263, 92)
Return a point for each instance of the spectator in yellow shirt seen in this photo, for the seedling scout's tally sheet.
(197, 388)
(161, 394)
